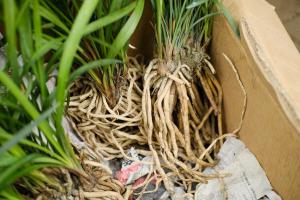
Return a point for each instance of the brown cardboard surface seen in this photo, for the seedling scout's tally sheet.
(270, 124)
(143, 38)
(289, 13)
(273, 50)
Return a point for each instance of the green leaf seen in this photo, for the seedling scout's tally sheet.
(39, 70)
(54, 8)
(234, 26)
(31, 110)
(70, 49)
(10, 28)
(159, 19)
(10, 193)
(90, 66)
(24, 9)
(8, 103)
(52, 17)
(127, 30)
(26, 131)
(23, 166)
(7, 160)
(6, 176)
(115, 4)
(6, 117)
(196, 3)
(110, 18)
(42, 51)
(71, 46)
(6, 136)
(24, 25)
(203, 18)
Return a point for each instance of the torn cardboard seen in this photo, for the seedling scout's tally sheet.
(268, 129)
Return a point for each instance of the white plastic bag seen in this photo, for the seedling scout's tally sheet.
(247, 180)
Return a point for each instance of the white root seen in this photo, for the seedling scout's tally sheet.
(175, 114)
(170, 94)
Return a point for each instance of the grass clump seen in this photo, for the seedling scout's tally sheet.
(45, 39)
(182, 98)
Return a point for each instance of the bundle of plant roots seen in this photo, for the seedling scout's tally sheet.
(170, 111)
(104, 107)
(181, 102)
(107, 131)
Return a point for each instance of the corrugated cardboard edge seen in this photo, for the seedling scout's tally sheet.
(281, 69)
(261, 59)
(266, 129)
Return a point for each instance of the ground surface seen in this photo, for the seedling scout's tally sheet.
(289, 13)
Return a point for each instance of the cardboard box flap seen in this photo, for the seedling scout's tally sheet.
(273, 50)
(269, 127)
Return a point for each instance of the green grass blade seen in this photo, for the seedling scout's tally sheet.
(39, 71)
(10, 28)
(7, 159)
(6, 136)
(23, 166)
(110, 18)
(62, 14)
(53, 18)
(100, 42)
(127, 30)
(115, 4)
(196, 3)
(203, 18)
(25, 33)
(10, 193)
(31, 110)
(70, 49)
(71, 46)
(229, 18)
(90, 66)
(53, 62)
(21, 14)
(159, 18)
(42, 51)
(6, 176)
(26, 130)
(8, 103)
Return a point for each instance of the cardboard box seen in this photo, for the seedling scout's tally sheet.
(268, 64)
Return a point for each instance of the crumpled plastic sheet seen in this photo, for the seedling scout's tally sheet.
(246, 179)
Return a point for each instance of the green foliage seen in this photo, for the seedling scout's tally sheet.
(180, 23)
(228, 16)
(44, 37)
(106, 36)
